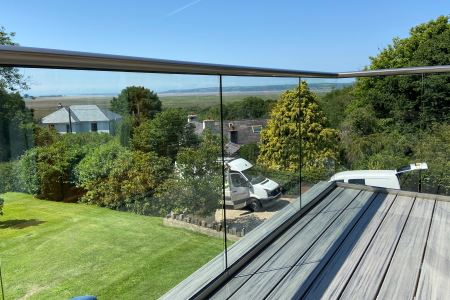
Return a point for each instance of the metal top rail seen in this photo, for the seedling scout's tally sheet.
(15, 56)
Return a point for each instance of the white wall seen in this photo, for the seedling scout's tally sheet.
(84, 127)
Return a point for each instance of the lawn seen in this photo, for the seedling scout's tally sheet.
(52, 250)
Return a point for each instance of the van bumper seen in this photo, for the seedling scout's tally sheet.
(268, 202)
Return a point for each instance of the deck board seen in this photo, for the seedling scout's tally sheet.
(434, 280)
(289, 255)
(333, 278)
(402, 275)
(367, 277)
(298, 279)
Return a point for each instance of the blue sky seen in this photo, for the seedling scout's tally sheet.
(309, 35)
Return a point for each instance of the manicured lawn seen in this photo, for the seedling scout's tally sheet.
(53, 250)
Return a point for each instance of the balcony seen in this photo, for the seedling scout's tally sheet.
(227, 182)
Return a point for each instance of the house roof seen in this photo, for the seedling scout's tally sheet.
(80, 113)
(337, 241)
(248, 131)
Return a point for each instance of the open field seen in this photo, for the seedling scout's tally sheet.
(43, 106)
(52, 250)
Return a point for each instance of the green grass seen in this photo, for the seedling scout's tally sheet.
(52, 250)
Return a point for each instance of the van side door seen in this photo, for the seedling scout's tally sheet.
(239, 189)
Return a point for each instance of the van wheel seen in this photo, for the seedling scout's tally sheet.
(255, 205)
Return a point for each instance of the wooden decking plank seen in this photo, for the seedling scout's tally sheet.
(241, 277)
(295, 284)
(333, 277)
(289, 234)
(366, 279)
(402, 275)
(292, 252)
(434, 279)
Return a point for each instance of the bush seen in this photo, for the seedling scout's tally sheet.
(249, 152)
(48, 171)
(115, 177)
(27, 172)
(8, 177)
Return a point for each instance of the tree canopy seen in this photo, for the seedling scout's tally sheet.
(10, 78)
(165, 134)
(415, 101)
(137, 101)
(297, 128)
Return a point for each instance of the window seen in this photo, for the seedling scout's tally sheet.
(357, 181)
(237, 180)
(94, 127)
(257, 128)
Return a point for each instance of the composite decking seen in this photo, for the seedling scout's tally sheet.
(348, 242)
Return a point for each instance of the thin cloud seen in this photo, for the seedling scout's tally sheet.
(172, 13)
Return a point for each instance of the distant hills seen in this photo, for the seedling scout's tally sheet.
(316, 87)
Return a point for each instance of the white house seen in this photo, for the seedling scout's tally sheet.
(84, 118)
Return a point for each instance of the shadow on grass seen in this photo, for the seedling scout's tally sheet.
(20, 224)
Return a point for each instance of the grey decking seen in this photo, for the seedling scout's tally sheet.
(355, 242)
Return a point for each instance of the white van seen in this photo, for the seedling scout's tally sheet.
(245, 188)
(379, 178)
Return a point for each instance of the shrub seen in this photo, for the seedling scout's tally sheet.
(8, 180)
(249, 152)
(196, 186)
(114, 176)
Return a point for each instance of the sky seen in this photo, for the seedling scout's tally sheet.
(305, 35)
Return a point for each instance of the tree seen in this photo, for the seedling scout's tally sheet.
(298, 129)
(10, 78)
(15, 134)
(165, 134)
(335, 103)
(137, 101)
(409, 102)
(248, 108)
(195, 188)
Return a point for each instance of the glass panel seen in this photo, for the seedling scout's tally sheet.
(396, 125)
(433, 145)
(324, 103)
(259, 150)
(108, 177)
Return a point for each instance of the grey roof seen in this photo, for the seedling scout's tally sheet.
(80, 113)
(341, 241)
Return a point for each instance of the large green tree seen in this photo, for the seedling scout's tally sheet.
(165, 134)
(10, 78)
(137, 101)
(297, 135)
(14, 117)
(414, 101)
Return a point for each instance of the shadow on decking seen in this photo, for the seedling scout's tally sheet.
(20, 224)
